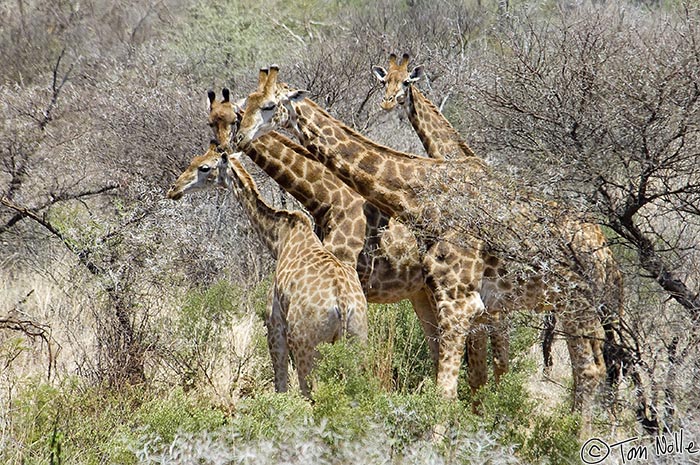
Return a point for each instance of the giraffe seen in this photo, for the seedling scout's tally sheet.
(383, 250)
(456, 211)
(315, 297)
(441, 140)
(437, 135)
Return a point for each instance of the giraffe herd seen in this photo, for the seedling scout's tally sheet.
(394, 226)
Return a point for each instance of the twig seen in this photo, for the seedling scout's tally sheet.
(292, 33)
(56, 89)
(54, 199)
(32, 330)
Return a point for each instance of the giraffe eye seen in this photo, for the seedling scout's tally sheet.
(268, 106)
(407, 82)
(205, 168)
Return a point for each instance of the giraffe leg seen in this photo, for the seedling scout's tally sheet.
(477, 340)
(425, 311)
(357, 321)
(453, 276)
(588, 368)
(500, 343)
(304, 364)
(549, 322)
(277, 342)
(497, 294)
(497, 324)
(454, 317)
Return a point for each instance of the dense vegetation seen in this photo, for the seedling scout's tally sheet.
(130, 326)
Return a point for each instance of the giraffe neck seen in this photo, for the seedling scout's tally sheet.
(271, 224)
(439, 138)
(336, 209)
(380, 174)
(280, 158)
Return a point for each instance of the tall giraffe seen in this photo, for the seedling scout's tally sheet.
(441, 140)
(315, 297)
(448, 206)
(388, 264)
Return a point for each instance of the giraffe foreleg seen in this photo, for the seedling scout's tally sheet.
(426, 312)
(477, 341)
(453, 276)
(277, 341)
(584, 341)
(454, 320)
(497, 324)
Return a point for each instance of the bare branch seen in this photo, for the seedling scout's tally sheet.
(32, 330)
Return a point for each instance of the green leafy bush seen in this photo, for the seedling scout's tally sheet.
(400, 356)
(197, 330)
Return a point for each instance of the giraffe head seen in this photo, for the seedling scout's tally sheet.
(268, 108)
(224, 116)
(204, 172)
(397, 80)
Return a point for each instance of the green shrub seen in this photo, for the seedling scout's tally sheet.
(271, 416)
(196, 330)
(70, 423)
(554, 437)
(344, 388)
(164, 417)
(400, 356)
(410, 417)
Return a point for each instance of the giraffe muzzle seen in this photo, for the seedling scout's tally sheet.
(174, 194)
(388, 103)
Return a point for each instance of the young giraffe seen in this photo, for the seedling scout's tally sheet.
(315, 297)
(388, 263)
(430, 197)
(441, 140)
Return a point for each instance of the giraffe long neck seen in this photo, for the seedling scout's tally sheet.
(272, 225)
(381, 175)
(279, 157)
(439, 138)
(332, 204)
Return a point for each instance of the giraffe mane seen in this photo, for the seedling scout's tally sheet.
(365, 140)
(457, 136)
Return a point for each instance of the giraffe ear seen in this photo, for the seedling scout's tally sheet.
(296, 95)
(224, 158)
(416, 74)
(379, 73)
(239, 106)
(211, 97)
(226, 93)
